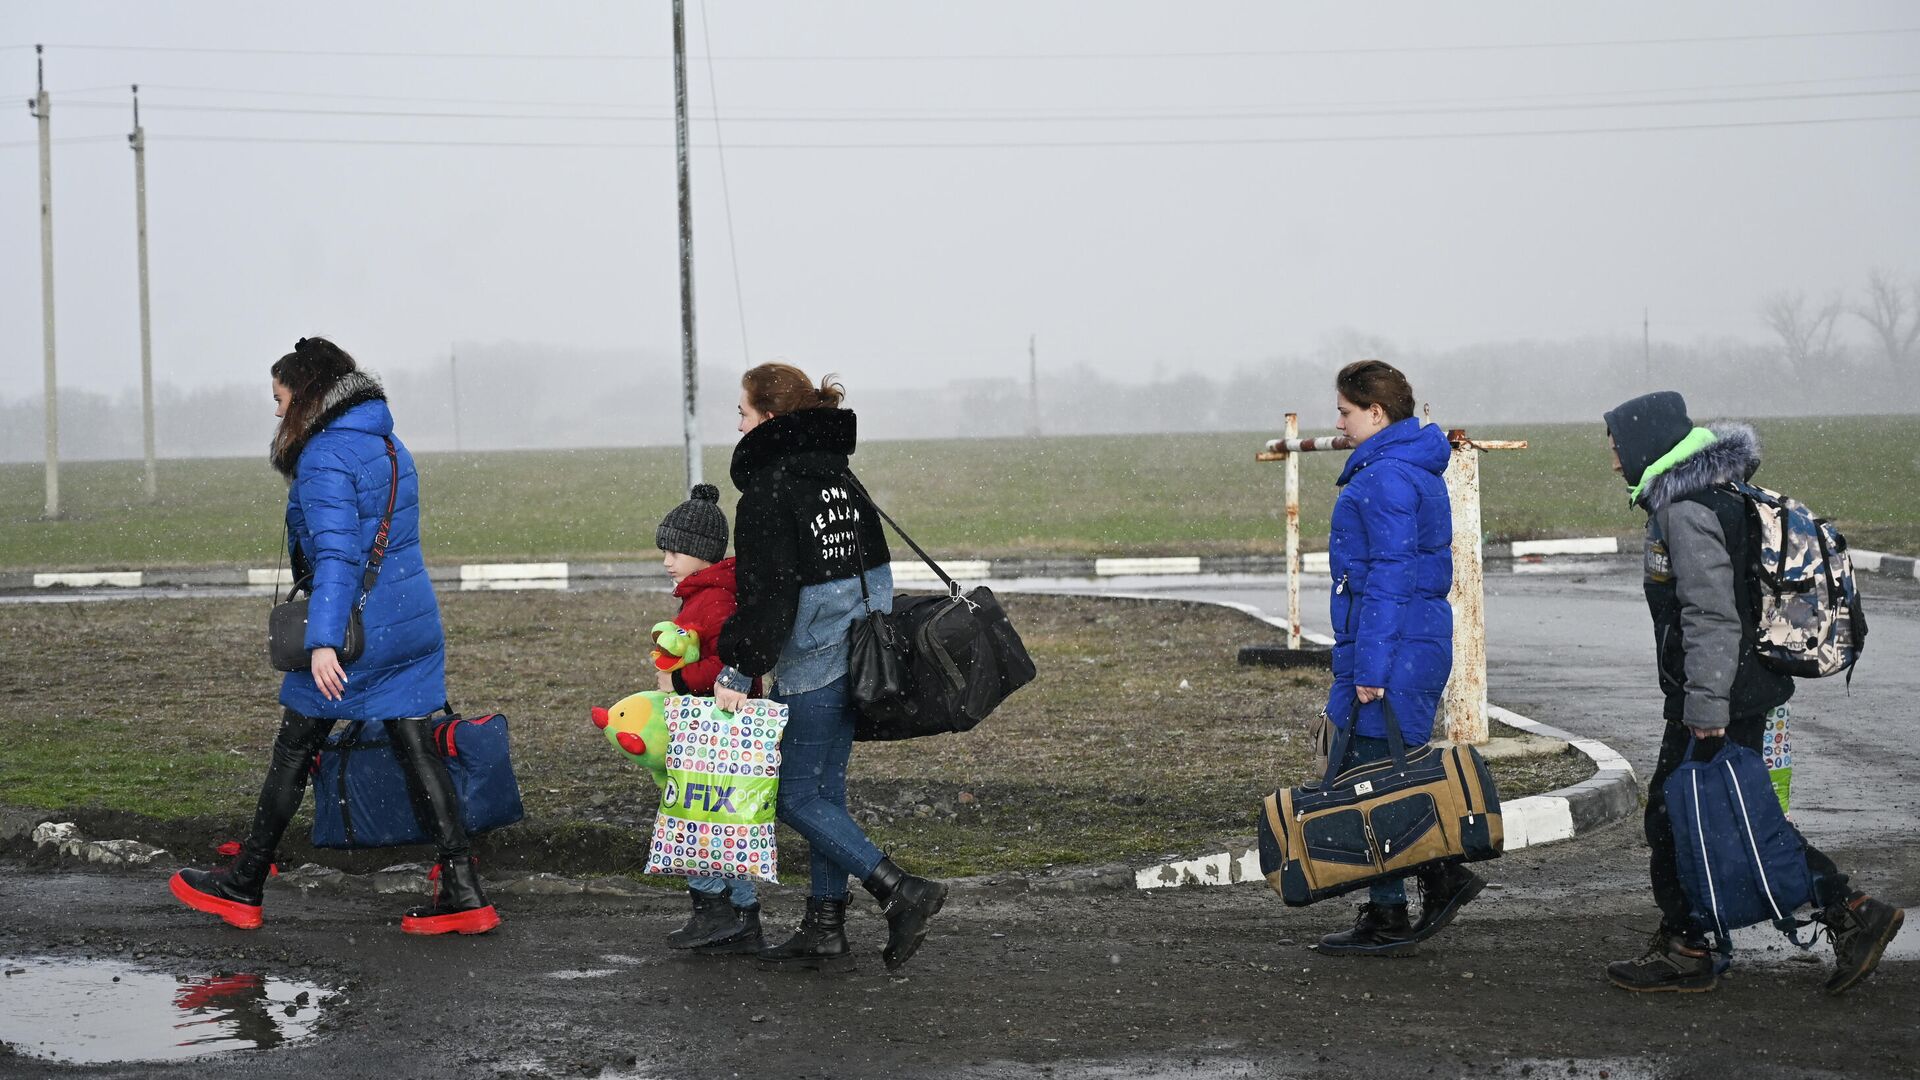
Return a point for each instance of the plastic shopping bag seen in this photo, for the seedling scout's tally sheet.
(723, 774)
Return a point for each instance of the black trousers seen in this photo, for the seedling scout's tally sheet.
(428, 785)
(1829, 884)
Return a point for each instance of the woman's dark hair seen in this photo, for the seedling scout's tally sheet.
(309, 371)
(779, 389)
(1367, 383)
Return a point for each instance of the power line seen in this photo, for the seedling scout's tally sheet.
(1073, 145)
(935, 111)
(726, 194)
(1300, 114)
(1370, 50)
(116, 137)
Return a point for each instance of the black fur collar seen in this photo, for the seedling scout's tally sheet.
(827, 432)
(353, 388)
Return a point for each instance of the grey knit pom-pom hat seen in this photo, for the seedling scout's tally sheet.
(697, 527)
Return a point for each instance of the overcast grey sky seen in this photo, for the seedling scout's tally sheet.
(1238, 237)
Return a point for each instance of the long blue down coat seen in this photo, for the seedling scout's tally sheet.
(1391, 553)
(334, 506)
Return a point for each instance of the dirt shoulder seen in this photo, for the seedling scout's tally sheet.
(151, 720)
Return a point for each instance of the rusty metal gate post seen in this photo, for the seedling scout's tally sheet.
(1465, 698)
(1293, 536)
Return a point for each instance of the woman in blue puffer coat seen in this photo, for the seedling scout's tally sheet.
(335, 445)
(1391, 553)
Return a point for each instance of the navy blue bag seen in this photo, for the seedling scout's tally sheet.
(1741, 861)
(360, 795)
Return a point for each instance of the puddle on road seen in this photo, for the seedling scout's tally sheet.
(1582, 1068)
(97, 1011)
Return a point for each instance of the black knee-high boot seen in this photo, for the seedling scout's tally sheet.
(459, 904)
(235, 891)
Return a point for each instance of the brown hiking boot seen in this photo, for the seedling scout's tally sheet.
(1671, 964)
(1860, 930)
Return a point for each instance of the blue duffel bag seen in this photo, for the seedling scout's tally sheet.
(360, 797)
(1740, 860)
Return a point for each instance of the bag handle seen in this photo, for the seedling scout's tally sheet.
(380, 536)
(1343, 736)
(952, 585)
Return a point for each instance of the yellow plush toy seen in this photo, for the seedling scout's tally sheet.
(637, 726)
(674, 646)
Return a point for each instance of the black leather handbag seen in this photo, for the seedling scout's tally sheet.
(287, 622)
(935, 663)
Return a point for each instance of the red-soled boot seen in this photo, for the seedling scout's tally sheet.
(232, 892)
(459, 906)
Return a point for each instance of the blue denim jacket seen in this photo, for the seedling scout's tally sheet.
(817, 653)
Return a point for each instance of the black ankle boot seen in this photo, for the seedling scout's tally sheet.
(740, 934)
(711, 915)
(1443, 892)
(1381, 930)
(909, 903)
(820, 943)
(459, 905)
(233, 892)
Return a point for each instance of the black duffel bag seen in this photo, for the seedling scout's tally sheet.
(935, 663)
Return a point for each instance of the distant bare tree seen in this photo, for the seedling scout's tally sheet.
(1892, 309)
(1807, 334)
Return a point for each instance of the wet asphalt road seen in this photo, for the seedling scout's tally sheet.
(1192, 982)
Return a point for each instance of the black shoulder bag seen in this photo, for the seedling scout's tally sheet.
(287, 625)
(937, 662)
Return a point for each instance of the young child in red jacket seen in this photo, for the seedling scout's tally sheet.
(693, 537)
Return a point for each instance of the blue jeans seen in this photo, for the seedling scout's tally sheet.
(739, 890)
(813, 787)
(1360, 750)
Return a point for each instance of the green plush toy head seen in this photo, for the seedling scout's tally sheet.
(637, 726)
(674, 646)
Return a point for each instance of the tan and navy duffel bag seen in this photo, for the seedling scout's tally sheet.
(1383, 819)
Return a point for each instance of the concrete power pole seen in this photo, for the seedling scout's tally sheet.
(1033, 387)
(1646, 344)
(453, 389)
(42, 111)
(139, 141)
(689, 363)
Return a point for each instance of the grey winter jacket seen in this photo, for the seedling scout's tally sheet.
(1699, 585)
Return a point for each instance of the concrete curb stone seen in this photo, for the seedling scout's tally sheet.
(503, 575)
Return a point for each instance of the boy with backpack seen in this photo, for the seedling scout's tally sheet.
(1701, 566)
(693, 540)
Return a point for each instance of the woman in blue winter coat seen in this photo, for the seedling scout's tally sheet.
(1391, 553)
(344, 467)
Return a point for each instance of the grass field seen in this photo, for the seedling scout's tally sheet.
(1092, 495)
(1103, 758)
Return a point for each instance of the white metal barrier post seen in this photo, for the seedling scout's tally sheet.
(1284, 450)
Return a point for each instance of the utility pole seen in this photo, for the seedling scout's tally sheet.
(453, 387)
(139, 141)
(1646, 345)
(42, 108)
(1033, 387)
(689, 365)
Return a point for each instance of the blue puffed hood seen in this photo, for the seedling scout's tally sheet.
(1424, 446)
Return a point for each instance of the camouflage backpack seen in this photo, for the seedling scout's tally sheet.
(1811, 623)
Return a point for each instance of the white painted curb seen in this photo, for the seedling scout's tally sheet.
(91, 579)
(1587, 545)
(493, 576)
(958, 570)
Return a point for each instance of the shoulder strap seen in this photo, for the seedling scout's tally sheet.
(386, 526)
(952, 585)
